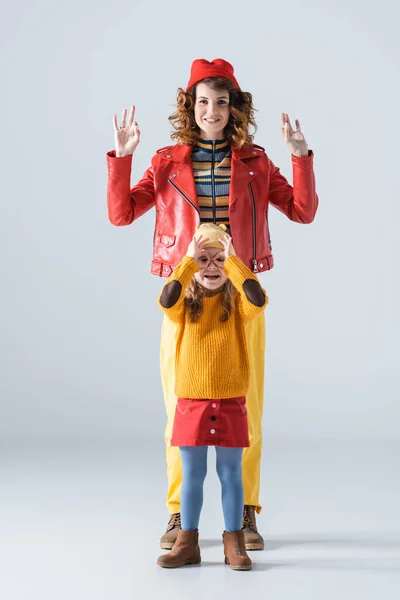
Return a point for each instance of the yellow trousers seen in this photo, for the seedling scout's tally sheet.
(255, 335)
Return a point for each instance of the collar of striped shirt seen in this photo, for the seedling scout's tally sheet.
(208, 144)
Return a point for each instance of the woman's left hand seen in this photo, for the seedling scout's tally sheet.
(295, 140)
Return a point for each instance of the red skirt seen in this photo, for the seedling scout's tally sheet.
(211, 423)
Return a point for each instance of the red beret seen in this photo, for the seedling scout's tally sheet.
(202, 69)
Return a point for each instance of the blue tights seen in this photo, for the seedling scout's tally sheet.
(194, 470)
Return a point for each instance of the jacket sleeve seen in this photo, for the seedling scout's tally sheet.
(125, 205)
(299, 202)
(252, 297)
(172, 297)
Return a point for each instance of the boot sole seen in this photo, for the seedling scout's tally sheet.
(166, 545)
(239, 567)
(254, 546)
(189, 562)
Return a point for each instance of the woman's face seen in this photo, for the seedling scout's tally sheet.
(211, 111)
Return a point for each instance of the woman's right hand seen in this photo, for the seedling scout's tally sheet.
(127, 135)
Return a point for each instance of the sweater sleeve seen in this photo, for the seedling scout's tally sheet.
(252, 297)
(172, 297)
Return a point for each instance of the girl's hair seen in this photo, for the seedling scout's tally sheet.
(241, 117)
(194, 300)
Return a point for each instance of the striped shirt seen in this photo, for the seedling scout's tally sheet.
(211, 162)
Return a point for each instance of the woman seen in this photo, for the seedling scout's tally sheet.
(214, 173)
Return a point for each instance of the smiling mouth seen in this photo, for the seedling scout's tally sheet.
(212, 121)
(212, 277)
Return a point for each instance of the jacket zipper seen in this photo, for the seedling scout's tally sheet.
(269, 233)
(254, 261)
(184, 196)
(213, 184)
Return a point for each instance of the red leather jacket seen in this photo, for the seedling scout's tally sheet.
(169, 186)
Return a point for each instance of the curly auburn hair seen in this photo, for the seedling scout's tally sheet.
(241, 117)
(194, 300)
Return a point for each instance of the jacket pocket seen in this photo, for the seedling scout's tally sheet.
(166, 240)
(183, 405)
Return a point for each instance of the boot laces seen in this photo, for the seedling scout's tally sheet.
(249, 519)
(175, 521)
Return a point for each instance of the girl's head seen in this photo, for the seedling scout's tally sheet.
(211, 277)
(213, 106)
(211, 259)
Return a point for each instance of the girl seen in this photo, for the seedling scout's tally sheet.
(214, 173)
(211, 295)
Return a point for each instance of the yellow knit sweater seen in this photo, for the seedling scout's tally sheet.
(211, 356)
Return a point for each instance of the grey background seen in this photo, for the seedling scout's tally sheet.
(80, 325)
(82, 472)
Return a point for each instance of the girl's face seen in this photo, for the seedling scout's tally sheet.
(211, 111)
(211, 274)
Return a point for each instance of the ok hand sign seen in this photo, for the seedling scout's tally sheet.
(295, 140)
(127, 135)
(228, 246)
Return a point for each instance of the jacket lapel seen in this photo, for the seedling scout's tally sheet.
(241, 173)
(181, 173)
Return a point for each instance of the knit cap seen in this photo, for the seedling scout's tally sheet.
(215, 233)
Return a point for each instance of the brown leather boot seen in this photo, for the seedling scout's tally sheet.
(235, 551)
(252, 538)
(169, 538)
(186, 550)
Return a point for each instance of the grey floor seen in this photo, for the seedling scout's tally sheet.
(82, 519)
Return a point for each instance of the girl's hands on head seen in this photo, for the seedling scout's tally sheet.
(294, 139)
(228, 247)
(196, 250)
(127, 135)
